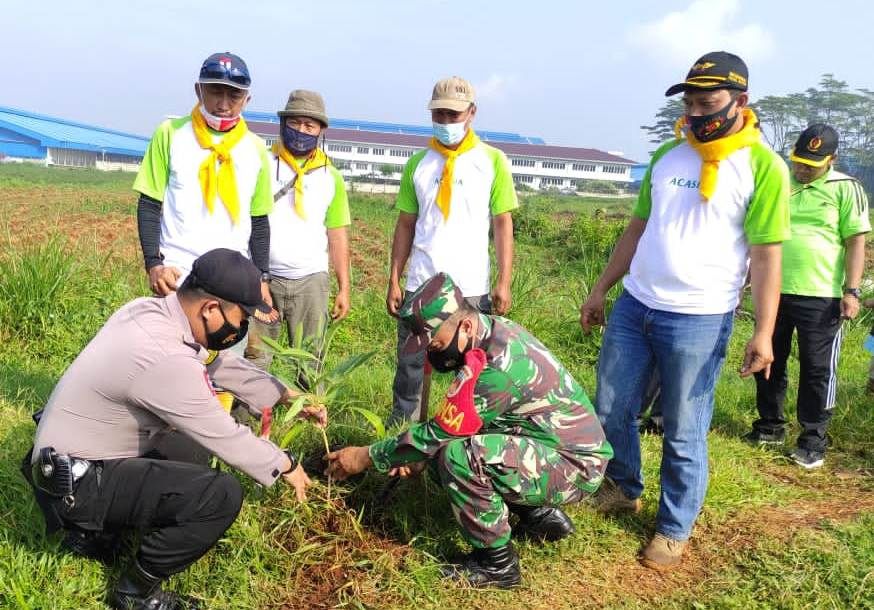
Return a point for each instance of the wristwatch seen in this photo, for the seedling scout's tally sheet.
(291, 459)
(266, 277)
(853, 291)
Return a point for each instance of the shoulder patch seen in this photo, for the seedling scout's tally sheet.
(458, 415)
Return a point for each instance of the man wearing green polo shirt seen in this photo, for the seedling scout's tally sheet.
(451, 194)
(822, 268)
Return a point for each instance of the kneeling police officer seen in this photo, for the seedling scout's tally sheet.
(150, 368)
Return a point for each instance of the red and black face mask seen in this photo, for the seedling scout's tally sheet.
(711, 126)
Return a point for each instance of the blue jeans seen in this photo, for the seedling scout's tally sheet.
(688, 351)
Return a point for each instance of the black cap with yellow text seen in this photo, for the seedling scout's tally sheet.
(715, 70)
(815, 146)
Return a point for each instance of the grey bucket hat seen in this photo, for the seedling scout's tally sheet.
(305, 103)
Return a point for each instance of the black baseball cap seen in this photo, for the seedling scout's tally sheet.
(225, 69)
(815, 146)
(715, 70)
(229, 275)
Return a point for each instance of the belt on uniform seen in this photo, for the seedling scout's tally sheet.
(56, 474)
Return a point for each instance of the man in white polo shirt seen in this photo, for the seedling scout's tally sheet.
(307, 227)
(204, 181)
(714, 203)
(451, 194)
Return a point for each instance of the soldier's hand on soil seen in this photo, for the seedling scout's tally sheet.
(592, 311)
(317, 415)
(394, 299)
(299, 480)
(162, 280)
(348, 461)
(407, 470)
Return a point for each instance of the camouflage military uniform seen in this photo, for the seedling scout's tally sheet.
(533, 440)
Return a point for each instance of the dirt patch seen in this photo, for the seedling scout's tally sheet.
(344, 561)
(369, 250)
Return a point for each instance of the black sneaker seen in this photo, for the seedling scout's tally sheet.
(807, 458)
(760, 437)
(653, 425)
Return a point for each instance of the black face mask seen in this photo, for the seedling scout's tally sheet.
(227, 335)
(296, 141)
(450, 358)
(711, 126)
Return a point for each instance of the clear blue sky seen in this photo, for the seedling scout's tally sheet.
(574, 72)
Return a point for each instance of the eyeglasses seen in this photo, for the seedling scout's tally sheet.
(225, 70)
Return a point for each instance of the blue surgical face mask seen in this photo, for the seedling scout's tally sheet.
(296, 141)
(450, 134)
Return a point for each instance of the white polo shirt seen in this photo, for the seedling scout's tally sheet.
(693, 256)
(169, 173)
(482, 187)
(299, 247)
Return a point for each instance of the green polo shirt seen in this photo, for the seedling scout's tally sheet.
(823, 214)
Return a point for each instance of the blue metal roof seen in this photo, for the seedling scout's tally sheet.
(61, 133)
(413, 130)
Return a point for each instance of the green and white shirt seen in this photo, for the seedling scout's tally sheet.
(169, 173)
(824, 213)
(299, 247)
(693, 257)
(482, 187)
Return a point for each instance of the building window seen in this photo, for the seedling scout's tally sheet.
(553, 165)
(269, 141)
(343, 148)
(378, 152)
(613, 169)
(400, 152)
(584, 167)
(551, 181)
(524, 179)
(363, 150)
(361, 166)
(522, 162)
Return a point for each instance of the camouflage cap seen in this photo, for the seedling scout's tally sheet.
(427, 308)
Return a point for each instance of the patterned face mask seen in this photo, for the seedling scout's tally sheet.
(296, 141)
(711, 126)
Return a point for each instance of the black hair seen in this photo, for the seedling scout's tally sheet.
(189, 291)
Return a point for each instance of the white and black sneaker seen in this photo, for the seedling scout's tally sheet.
(807, 458)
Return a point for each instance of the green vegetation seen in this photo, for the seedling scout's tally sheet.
(770, 536)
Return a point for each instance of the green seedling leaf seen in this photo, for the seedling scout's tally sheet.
(372, 418)
(295, 408)
(350, 364)
(292, 434)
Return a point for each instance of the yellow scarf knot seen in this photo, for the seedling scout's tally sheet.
(223, 182)
(315, 160)
(444, 191)
(713, 152)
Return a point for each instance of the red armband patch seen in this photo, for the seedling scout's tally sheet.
(458, 414)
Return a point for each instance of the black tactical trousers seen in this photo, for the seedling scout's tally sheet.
(181, 510)
(818, 322)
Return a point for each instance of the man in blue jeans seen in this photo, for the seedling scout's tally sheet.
(713, 204)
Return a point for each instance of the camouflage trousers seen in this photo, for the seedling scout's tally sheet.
(483, 473)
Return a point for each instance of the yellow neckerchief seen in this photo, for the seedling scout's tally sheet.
(225, 182)
(712, 153)
(444, 191)
(315, 160)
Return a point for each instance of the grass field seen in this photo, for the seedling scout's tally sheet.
(770, 535)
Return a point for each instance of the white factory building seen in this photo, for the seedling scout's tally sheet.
(363, 149)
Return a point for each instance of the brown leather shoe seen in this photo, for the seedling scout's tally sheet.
(663, 553)
(611, 500)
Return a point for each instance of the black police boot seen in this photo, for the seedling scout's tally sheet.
(139, 590)
(543, 523)
(488, 568)
(100, 546)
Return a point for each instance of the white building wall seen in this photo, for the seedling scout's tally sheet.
(359, 160)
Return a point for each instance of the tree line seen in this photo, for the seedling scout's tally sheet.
(783, 117)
